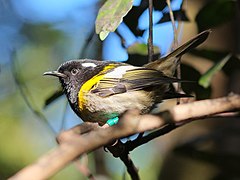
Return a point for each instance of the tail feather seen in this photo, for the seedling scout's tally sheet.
(168, 64)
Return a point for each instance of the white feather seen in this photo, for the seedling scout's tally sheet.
(89, 65)
(119, 72)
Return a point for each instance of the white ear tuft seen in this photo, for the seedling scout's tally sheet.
(118, 72)
(89, 65)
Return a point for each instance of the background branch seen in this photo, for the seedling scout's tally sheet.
(78, 140)
(175, 39)
(131, 145)
(150, 36)
(175, 45)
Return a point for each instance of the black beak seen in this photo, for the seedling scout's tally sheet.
(54, 73)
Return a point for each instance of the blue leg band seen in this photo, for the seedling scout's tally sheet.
(112, 121)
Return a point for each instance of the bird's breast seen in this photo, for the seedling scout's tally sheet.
(100, 109)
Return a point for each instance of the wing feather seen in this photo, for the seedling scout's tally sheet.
(133, 79)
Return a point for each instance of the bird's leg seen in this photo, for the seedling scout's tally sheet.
(111, 122)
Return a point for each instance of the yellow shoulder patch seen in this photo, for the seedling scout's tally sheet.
(87, 86)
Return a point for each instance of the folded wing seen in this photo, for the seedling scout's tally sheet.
(133, 79)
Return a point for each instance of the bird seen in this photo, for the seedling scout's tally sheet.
(101, 91)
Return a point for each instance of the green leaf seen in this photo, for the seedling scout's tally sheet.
(111, 15)
(206, 78)
(215, 13)
(141, 49)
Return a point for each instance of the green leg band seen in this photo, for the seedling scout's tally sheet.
(112, 121)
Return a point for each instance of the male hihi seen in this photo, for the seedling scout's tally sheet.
(99, 91)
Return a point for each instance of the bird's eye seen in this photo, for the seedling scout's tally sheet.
(74, 71)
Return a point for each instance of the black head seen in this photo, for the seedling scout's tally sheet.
(72, 74)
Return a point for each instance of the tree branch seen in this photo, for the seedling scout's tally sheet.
(87, 137)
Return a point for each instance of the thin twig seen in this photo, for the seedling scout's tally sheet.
(123, 41)
(86, 44)
(150, 36)
(175, 39)
(131, 145)
(119, 150)
(179, 86)
(132, 170)
(175, 45)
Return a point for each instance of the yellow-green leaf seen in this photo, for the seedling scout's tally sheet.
(206, 78)
(111, 15)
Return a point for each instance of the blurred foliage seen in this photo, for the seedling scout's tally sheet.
(193, 88)
(36, 33)
(215, 13)
(209, 150)
(214, 55)
(206, 78)
(24, 136)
